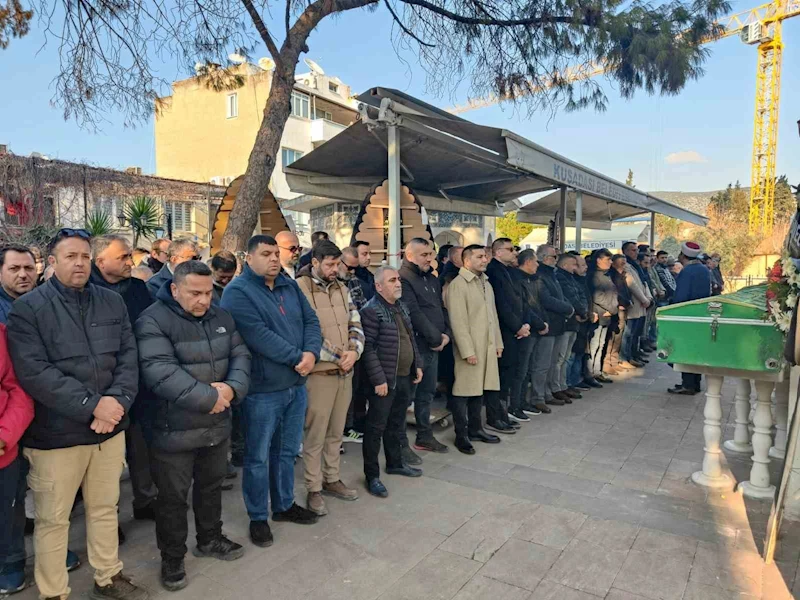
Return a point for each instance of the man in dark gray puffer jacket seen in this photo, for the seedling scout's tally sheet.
(193, 365)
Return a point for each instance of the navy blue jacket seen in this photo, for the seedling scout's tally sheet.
(367, 280)
(156, 281)
(694, 282)
(6, 302)
(277, 324)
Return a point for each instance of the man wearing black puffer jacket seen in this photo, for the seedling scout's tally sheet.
(194, 364)
(393, 367)
(557, 310)
(74, 352)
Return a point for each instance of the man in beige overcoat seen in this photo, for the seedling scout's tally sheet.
(477, 346)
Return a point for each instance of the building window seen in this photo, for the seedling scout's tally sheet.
(182, 215)
(300, 104)
(232, 106)
(288, 156)
(333, 87)
(471, 220)
(323, 114)
(433, 218)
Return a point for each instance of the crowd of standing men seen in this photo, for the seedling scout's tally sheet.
(206, 370)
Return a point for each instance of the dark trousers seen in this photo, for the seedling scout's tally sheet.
(691, 381)
(202, 469)
(386, 420)
(495, 407)
(12, 512)
(423, 397)
(237, 433)
(519, 388)
(137, 455)
(356, 412)
(509, 373)
(467, 415)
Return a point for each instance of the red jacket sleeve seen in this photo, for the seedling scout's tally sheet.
(18, 412)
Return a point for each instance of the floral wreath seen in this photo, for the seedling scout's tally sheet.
(782, 291)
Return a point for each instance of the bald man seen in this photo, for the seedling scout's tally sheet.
(289, 247)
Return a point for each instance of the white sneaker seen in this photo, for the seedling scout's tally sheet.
(351, 435)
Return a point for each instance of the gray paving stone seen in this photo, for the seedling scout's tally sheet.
(324, 559)
(520, 563)
(587, 567)
(718, 565)
(549, 590)
(439, 577)
(602, 508)
(557, 481)
(639, 477)
(615, 594)
(480, 588)
(551, 526)
(595, 471)
(655, 576)
(673, 523)
(614, 535)
(480, 537)
(698, 591)
(497, 485)
(659, 542)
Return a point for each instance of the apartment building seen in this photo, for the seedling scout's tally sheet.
(205, 135)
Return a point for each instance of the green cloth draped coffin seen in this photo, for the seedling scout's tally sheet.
(730, 331)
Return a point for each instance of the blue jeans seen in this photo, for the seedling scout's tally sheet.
(574, 369)
(12, 511)
(422, 397)
(630, 338)
(273, 430)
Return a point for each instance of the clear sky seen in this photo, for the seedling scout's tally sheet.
(700, 140)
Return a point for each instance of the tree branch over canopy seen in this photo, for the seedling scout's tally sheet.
(113, 53)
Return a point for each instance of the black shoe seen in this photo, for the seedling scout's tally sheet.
(513, 424)
(682, 391)
(410, 457)
(405, 471)
(376, 488)
(603, 379)
(482, 436)
(121, 535)
(431, 445)
(592, 383)
(560, 396)
(120, 588)
(533, 411)
(583, 386)
(260, 534)
(231, 472)
(573, 393)
(637, 363)
(464, 446)
(296, 514)
(519, 416)
(501, 427)
(220, 548)
(557, 401)
(146, 513)
(237, 460)
(173, 574)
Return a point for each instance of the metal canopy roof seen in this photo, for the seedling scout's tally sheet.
(597, 213)
(453, 164)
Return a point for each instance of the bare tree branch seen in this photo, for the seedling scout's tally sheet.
(405, 29)
(258, 22)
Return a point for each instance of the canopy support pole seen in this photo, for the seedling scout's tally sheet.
(578, 219)
(652, 230)
(562, 220)
(395, 190)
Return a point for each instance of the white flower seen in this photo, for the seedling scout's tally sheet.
(791, 299)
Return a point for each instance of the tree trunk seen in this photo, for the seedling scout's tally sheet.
(245, 213)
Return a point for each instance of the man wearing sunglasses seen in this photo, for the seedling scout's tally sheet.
(158, 254)
(179, 251)
(73, 350)
(289, 247)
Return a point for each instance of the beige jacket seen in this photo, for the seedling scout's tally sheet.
(476, 332)
(640, 294)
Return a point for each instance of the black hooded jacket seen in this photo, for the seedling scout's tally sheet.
(422, 296)
(133, 291)
(180, 356)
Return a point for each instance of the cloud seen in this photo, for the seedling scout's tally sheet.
(685, 157)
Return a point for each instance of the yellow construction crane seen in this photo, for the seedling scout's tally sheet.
(762, 26)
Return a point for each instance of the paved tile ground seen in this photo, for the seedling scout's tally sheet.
(593, 501)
